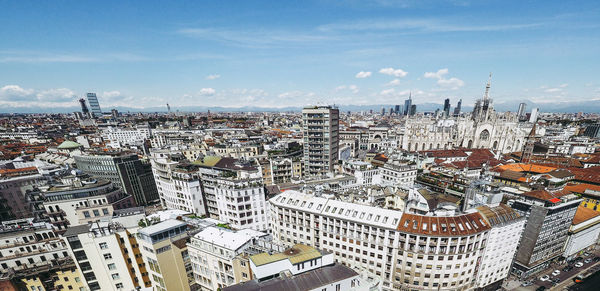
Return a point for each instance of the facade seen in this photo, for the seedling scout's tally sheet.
(407, 251)
(121, 137)
(164, 249)
(79, 201)
(107, 254)
(94, 104)
(14, 186)
(178, 185)
(124, 170)
(321, 139)
(549, 216)
(583, 233)
(219, 257)
(592, 131)
(396, 172)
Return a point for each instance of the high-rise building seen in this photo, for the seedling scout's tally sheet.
(592, 131)
(397, 110)
(534, 115)
(382, 111)
(413, 110)
(447, 107)
(321, 141)
(458, 108)
(94, 105)
(407, 105)
(84, 108)
(549, 216)
(125, 170)
(521, 112)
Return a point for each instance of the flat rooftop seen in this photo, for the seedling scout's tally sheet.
(297, 254)
(226, 238)
(160, 227)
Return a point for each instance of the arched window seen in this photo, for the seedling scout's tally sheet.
(495, 145)
(484, 135)
(470, 144)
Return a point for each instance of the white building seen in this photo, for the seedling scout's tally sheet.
(121, 137)
(217, 256)
(295, 260)
(583, 233)
(395, 172)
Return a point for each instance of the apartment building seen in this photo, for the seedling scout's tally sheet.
(549, 216)
(107, 252)
(407, 251)
(583, 233)
(78, 200)
(321, 139)
(396, 172)
(117, 137)
(179, 185)
(125, 170)
(164, 249)
(219, 256)
(14, 184)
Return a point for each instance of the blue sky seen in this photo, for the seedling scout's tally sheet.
(291, 53)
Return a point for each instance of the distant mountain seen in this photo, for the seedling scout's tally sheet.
(592, 106)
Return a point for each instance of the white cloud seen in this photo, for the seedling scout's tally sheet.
(399, 73)
(207, 91)
(552, 90)
(563, 85)
(436, 75)
(394, 82)
(353, 88)
(387, 92)
(363, 74)
(14, 91)
(339, 88)
(111, 94)
(213, 77)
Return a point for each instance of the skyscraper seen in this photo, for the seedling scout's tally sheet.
(408, 104)
(321, 140)
(458, 108)
(521, 111)
(84, 108)
(413, 110)
(94, 105)
(397, 110)
(447, 107)
(534, 115)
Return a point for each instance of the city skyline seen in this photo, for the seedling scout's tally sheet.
(277, 55)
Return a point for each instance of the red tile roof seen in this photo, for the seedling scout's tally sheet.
(466, 224)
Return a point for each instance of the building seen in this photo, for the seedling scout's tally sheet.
(14, 187)
(178, 184)
(534, 115)
(164, 249)
(592, 131)
(457, 109)
(408, 105)
(521, 111)
(395, 172)
(80, 200)
(219, 256)
(107, 253)
(549, 216)
(447, 107)
(583, 233)
(94, 105)
(124, 170)
(404, 250)
(123, 137)
(321, 140)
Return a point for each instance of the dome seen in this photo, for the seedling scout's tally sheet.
(68, 145)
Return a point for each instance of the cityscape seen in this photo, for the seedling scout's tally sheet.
(204, 157)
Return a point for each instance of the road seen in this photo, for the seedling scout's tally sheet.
(565, 277)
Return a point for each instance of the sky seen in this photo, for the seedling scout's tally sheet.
(143, 54)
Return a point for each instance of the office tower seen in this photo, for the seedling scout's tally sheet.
(413, 110)
(107, 253)
(534, 115)
(321, 143)
(447, 107)
(84, 108)
(408, 104)
(382, 111)
(458, 108)
(125, 170)
(114, 113)
(397, 110)
(549, 216)
(94, 105)
(164, 249)
(521, 111)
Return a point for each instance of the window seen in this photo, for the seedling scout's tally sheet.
(107, 256)
(105, 211)
(119, 285)
(103, 245)
(86, 214)
(96, 212)
(115, 276)
(112, 266)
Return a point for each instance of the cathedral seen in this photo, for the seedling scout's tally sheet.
(484, 128)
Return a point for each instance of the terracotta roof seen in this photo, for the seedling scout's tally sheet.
(583, 213)
(589, 175)
(499, 214)
(580, 188)
(519, 167)
(545, 195)
(466, 224)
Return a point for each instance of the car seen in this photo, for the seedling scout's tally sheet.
(541, 288)
(596, 259)
(586, 254)
(587, 261)
(545, 278)
(555, 273)
(578, 259)
(567, 268)
(579, 265)
(556, 280)
(527, 283)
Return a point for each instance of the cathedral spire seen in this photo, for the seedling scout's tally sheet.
(487, 88)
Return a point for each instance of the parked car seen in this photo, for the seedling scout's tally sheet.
(595, 259)
(586, 254)
(527, 283)
(587, 261)
(567, 268)
(579, 265)
(556, 280)
(545, 278)
(578, 259)
(555, 273)
(541, 288)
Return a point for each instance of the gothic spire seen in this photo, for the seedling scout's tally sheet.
(487, 88)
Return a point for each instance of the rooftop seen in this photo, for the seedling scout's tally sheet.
(297, 254)
(226, 238)
(583, 214)
(159, 227)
